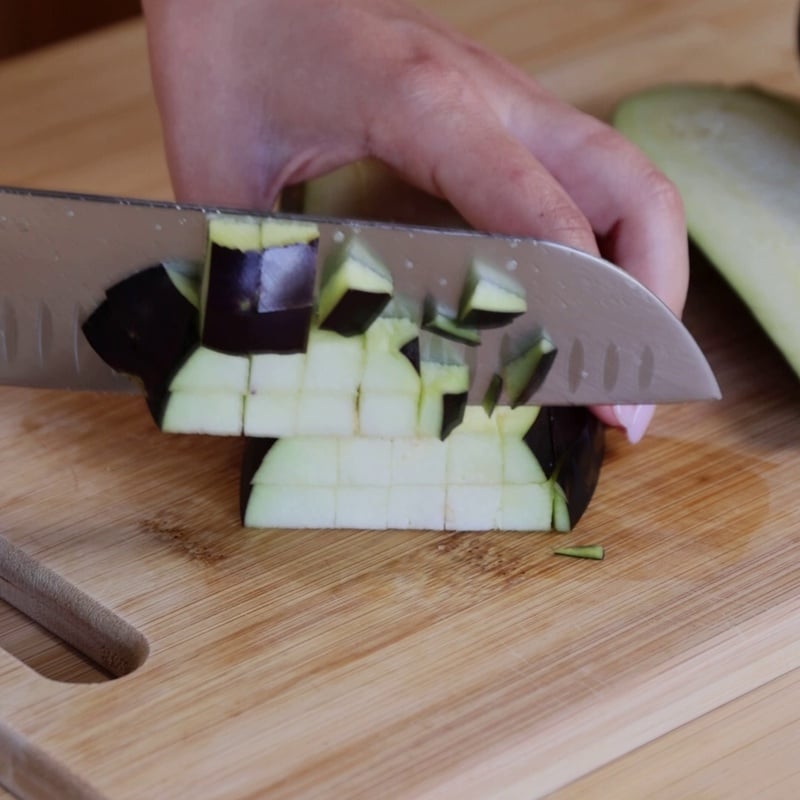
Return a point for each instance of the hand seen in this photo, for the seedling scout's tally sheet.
(259, 94)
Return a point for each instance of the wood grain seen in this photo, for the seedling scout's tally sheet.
(307, 664)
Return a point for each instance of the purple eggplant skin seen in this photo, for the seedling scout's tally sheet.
(569, 444)
(145, 327)
(255, 449)
(355, 312)
(478, 318)
(411, 351)
(453, 408)
(537, 379)
(259, 301)
(287, 277)
(281, 332)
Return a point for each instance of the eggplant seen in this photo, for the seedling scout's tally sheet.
(144, 328)
(484, 476)
(353, 414)
(259, 301)
(355, 289)
(490, 298)
(734, 155)
(526, 364)
(437, 320)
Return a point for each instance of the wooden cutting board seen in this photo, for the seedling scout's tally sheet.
(361, 664)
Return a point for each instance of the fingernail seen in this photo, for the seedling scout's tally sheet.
(634, 419)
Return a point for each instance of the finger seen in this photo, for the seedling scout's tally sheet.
(635, 211)
(457, 149)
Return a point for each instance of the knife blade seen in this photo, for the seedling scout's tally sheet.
(616, 341)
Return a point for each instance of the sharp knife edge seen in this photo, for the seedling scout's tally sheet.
(617, 342)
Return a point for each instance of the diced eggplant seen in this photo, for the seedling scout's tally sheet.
(145, 327)
(474, 459)
(527, 507)
(299, 461)
(277, 372)
(490, 298)
(383, 413)
(527, 363)
(355, 288)
(258, 301)
(270, 506)
(327, 414)
(438, 321)
(206, 371)
(118, 348)
(273, 414)
(479, 479)
(211, 413)
(334, 363)
(443, 398)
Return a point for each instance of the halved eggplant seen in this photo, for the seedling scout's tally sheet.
(734, 155)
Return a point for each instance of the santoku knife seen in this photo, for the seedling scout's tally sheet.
(616, 342)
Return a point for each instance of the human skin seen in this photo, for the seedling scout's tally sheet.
(255, 95)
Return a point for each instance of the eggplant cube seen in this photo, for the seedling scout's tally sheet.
(390, 334)
(473, 508)
(527, 365)
(211, 371)
(333, 362)
(527, 507)
(474, 458)
(416, 508)
(271, 415)
(214, 413)
(419, 461)
(443, 398)
(362, 506)
(519, 463)
(515, 421)
(300, 461)
(388, 414)
(355, 289)
(256, 299)
(490, 298)
(365, 461)
(271, 506)
(277, 372)
(328, 414)
(389, 372)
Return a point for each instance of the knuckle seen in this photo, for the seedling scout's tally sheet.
(660, 192)
(425, 80)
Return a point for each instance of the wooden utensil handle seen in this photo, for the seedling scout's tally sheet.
(66, 611)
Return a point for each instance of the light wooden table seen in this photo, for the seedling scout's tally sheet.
(81, 117)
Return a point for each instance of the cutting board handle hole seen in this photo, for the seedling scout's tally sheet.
(64, 622)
